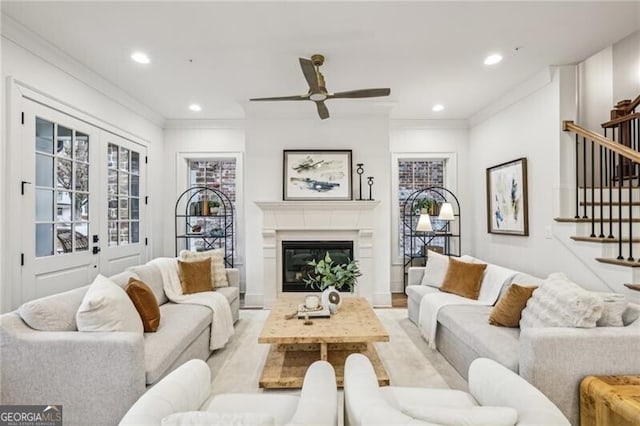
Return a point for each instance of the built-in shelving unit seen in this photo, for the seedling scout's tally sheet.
(204, 220)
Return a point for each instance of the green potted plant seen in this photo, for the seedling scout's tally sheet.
(326, 274)
(427, 204)
(214, 207)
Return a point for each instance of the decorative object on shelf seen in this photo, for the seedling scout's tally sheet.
(360, 172)
(370, 183)
(507, 209)
(430, 221)
(204, 220)
(317, 175)
(325, 273)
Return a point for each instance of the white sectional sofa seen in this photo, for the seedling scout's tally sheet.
(97, 376)
(553, 359)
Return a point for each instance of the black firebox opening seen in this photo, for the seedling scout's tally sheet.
(297, 254)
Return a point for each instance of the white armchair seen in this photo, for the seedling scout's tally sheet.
(188, 388)
(490, 385)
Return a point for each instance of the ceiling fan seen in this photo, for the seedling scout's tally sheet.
(317, 90)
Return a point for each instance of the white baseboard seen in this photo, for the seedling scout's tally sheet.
(253, 300)
(381, 299)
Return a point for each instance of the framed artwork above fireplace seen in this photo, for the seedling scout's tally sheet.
(320, 175)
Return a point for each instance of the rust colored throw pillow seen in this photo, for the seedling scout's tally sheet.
(508, 310)
(195, 276)
(463, 278)
(145, 302)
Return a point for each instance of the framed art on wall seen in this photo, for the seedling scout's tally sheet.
(316, 175)
(507, 210)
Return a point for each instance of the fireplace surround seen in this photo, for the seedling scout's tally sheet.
(316, 221)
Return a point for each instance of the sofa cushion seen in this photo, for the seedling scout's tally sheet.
(508, 310)
(145, 302)
(198, 418)
(195, 276)
(469, 323)
(106, 307)
(559, 302)
(455, 416)
(54, 313)
(495, 278)
(435, 270)
(522, 279)
(218, 272)
(231, 293)
(463, 278)
(151, 276)
(180, 324)
(281, 407)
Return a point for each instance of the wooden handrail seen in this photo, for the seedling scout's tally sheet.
(633, 105)
(626, 152)
(615, 122)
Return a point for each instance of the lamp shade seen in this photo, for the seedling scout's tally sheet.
(424, 223)
(446, 212)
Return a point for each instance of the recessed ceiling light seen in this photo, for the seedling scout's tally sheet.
(437, 107)
(493, 59)
(140, 57)
(195, 107)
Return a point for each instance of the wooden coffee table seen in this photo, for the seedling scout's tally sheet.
(294, 345)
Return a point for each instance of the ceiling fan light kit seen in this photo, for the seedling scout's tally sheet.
(318, 91)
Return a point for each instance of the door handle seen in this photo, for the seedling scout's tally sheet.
(96, 249)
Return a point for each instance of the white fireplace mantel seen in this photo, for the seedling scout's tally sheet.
(328, 219)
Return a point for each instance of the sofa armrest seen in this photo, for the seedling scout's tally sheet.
(363, 403)
(555, 360)
(184, 389)
(233, 276)
(96, 376)
(414, 275)
(319, 397)
(493, 384)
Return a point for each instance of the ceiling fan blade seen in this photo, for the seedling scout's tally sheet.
(283, 98)
(362, 93)
(323, 112)
(310, 75)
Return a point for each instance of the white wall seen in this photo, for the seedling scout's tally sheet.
(367, 136)
(31, 62)
(626, 67)
(434, 137)
(528, 128)
(191, 138)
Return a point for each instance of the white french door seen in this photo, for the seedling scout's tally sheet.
(81, 210)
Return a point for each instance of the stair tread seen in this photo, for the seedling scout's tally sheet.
(607, 203)
(588, 220)
(602, 239)
(633, 286)
(620, 262)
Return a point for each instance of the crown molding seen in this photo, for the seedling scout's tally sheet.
(14, 32)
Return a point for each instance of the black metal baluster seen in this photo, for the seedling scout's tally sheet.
(593, 190)
(577, 216)
(601, 205)
(620, 257)
(610, 183)
(630, 258)
(584, 178)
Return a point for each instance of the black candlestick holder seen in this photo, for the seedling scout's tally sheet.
(370, 183)
(360, 171)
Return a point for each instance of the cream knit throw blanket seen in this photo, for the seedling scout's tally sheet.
(222, 322)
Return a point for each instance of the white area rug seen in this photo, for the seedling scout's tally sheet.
(407, 357)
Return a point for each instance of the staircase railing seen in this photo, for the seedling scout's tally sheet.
(615, 165)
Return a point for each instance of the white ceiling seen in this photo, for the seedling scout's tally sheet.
(219, 54)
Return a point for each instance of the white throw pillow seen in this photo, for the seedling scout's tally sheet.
(199, 418)
(494, 279)
(435, 270)
(218, 271)
(614, 306)
(107, 307)
(470, 416)
(631, 314)
(559, 302)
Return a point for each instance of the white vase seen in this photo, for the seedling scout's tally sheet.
(331, 291)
